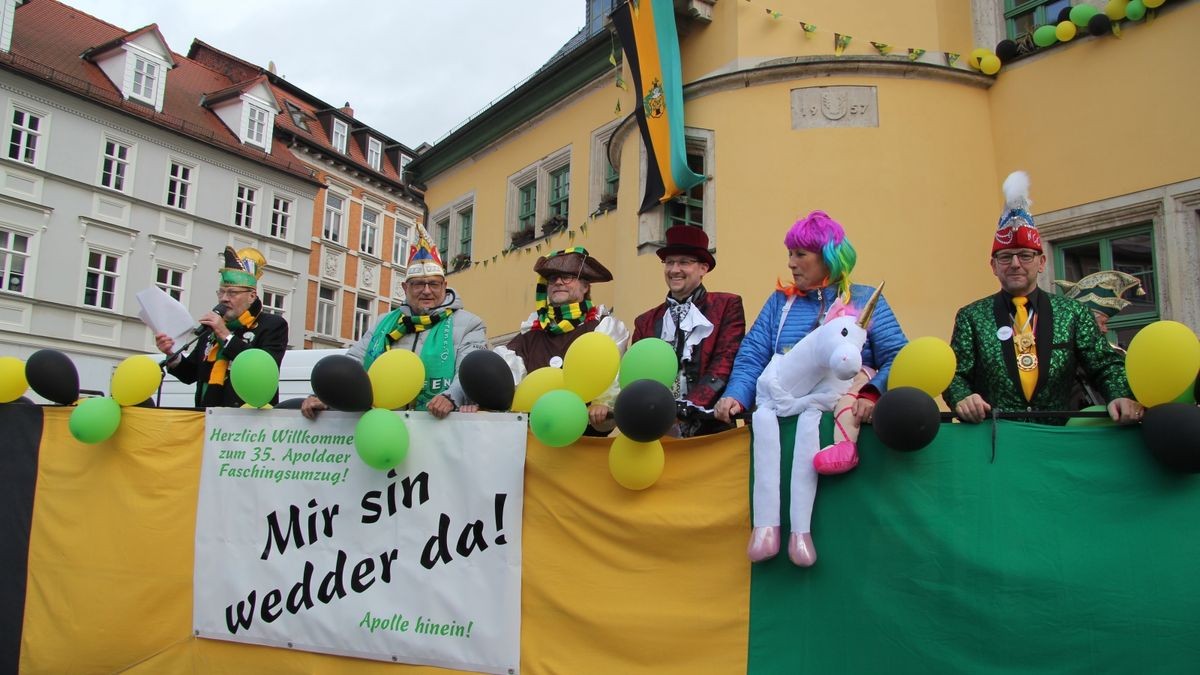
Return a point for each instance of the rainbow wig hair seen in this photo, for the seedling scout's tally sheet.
(819, 233)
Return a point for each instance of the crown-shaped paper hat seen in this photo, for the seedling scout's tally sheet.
(423, 257)
(242, 268)
(1102, 291)
(1016, 228)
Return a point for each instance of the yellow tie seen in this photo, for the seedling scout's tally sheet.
(1028, 375)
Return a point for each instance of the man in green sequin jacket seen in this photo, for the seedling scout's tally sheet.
(995, 341)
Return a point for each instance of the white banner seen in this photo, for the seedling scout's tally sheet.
(301, 545)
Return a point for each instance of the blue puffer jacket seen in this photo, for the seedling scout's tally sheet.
(884, 338)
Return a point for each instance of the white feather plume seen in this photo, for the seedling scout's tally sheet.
(1016, 191)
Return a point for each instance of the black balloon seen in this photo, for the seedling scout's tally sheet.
(1006, 50)
(148, 403)
(1064, 14)
(53, 376)
(645, 410)
(1171, 432)
(487, 380)
(1099, 24)
(342, 384)
(906, 419)
(290, 404)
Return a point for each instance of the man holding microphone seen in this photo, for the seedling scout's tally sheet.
(236, 324)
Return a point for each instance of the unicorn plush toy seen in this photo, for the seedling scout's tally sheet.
(807, 381)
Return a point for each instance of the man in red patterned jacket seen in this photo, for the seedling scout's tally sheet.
(705, 328)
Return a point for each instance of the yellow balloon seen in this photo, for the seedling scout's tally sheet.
(12, 379)
(976, 56)
(591, 365)
(534, 385)
(1065, 31)
(990, 64)
(135, 380)
(397, 376)
(1115, 9)
(926, 363)
(1162, 362)
(1152, 4)
(634, 465)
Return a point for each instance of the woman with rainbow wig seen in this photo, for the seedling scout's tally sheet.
(821, 259)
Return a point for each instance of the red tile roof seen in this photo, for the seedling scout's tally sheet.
(48, 41)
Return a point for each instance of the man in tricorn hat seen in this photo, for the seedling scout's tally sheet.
(704, 327)
(1100, 292)
(563, 312)
(1018, 349)
(242, 324)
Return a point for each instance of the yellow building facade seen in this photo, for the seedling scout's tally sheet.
(906, 149)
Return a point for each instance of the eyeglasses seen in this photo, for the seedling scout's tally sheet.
(421, 285)
(1025, 257)
(682, 264)
(560, 279)
(231, 292)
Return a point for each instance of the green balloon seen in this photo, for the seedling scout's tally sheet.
(649, 359)
(381, 439)
(95, 420)
(1081, 14)
(1135, 11)
(255, 377)
(558, 418)
(1044, 36)
(1092, 421)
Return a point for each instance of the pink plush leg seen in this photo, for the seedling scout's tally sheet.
(801, 550)
(764, 543)
(843, 454)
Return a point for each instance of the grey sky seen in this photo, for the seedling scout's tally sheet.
(413, 70)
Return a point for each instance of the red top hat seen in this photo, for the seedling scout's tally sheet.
(688, 240)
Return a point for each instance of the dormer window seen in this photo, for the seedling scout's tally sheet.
(256, 126)
(374, 152)
(145, 80)
(341, 131)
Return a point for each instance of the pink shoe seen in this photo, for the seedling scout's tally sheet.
(837, 458)
(764, 543)
(801, 549)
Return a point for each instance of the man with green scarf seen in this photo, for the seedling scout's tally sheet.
(431, 323)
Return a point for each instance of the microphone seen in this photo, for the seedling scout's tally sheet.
(202, 331)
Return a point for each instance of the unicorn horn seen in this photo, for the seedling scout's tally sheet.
(864, 319)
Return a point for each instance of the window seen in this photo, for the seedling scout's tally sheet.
(179, 185)
(374, 152)
(527, 206)
(1022, 16)
(14, 252)
(560, 191)
(404, 160)
(465, 227)
(115, 165)
(340, 132)
(326, 311)
(612, 179)
(243, 209)
(363, 312)
(334, 206)
(401, 243)
(1129, 250)
(281, 217)
(273, 302)
(23, 141)
(256, 126)
(688, 208)
(145, 80)
(100, 288)
(368, 234)
(170, 280)
(442, 232)
(298, 117)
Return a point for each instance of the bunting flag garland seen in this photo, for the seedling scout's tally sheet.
(882, 47)
(648, 36)
(951, 58)
(914, 54)
(840, 42)
(809, 29)
(773, 14)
